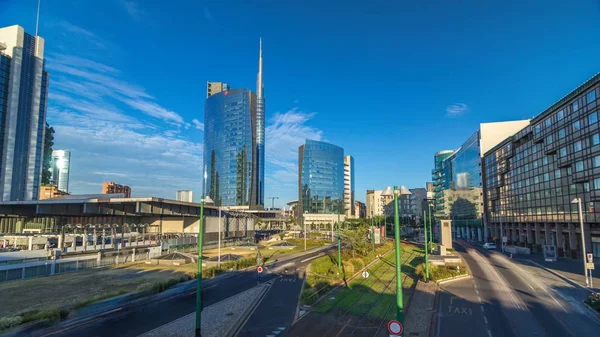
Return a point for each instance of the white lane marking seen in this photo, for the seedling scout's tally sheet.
(479, 299)
(477, 291)
(485, 319)
(276, 332)
(482, 310)
(281, 328)
(489, 333)
(310, 258)
(506, 288)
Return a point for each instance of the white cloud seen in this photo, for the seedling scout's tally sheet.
(286, 132)
(154, 110)
(90, 37)
(112, 174)
(198, 125)
(456, 109)
(133, 9)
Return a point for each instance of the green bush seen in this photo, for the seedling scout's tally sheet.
(309, 296)
(437, 273)
(9, 322)
(357, 262)
(347, 268)
(594, 301)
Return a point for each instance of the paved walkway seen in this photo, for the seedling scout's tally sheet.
(565, 269)
(418, 318)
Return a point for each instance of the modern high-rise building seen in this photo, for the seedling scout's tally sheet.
(61, 162)
(439, 182)
(234, 145)
(349, 185)
(23, 93)
(320, 178)
(215, 88)
(185, 195)
(110, 187)
(532, 178)
(462, 193)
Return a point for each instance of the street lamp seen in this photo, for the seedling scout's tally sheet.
(426, 248)
(203, 199)
(399, 301)
(585, 271)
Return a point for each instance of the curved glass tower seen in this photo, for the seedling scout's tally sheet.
(321, 177)
(234, 145)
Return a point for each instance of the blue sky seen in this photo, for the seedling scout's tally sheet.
(392, 82)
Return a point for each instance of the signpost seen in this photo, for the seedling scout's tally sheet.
(259, 269)
(395, 328)
(365, 274)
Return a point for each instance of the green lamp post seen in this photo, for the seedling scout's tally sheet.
(399, 300)
(203, 200)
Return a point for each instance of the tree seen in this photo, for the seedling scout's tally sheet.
(48, 143)
(357, 239)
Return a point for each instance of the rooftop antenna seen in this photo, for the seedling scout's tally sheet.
(37, 21)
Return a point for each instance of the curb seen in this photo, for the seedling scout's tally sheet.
(452, 279)
(237, 325)
(434, 313)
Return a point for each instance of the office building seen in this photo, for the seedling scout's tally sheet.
(377, 203)
(439, 182)
(349, 185)
(51, 191)
(320, 178)
(462, 193)
(185, 195)
(23, 92)
(532, 177)
(110, 187)
(215, 88)
(61, 162)
(234, 146)
(360, 210)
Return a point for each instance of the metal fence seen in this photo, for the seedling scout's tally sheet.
(44, 268)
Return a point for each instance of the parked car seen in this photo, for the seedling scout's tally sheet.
(489, 245)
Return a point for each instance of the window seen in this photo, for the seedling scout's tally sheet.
(591, 96)
(548, 122)
(536, 179)
(562, 152)
(534, 149)
(577, 146)
(557, 173)
(572, 188)
(537, 129)
(545, 161)
(546, 176)
(579, 166)
(576, 125)
(569, 170)
(596, 139)
(559, 191)
(586, 186)
(597, 184)
(560, 115)
(593, 118)
(549, 139)
(535, 164)
(575, 105)
(597, 161)
(562, 133)
(518, 170)
(526, 168)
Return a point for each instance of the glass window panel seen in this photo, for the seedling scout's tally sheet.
(595, 139)
(562, 133)
(579, 166)
(563, 152)
(577, 146)
(591, 96)
(593, 118)
(576, 126)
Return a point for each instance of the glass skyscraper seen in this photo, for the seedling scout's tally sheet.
(61, 162)
(23, 92)
(234, 143)
(321, 178)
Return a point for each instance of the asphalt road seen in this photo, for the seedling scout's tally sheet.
(504, 300)
(133, 321)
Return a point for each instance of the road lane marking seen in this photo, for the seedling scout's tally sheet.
(482, 310)
(310, 258)
(485, 319)
(477, 291)
(489, 333)
(479, 299)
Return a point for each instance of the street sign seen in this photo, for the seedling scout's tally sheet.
(504, 239)
(590, 257)
(395, 328)
(365, 274)
(259, 269)
(589, 266)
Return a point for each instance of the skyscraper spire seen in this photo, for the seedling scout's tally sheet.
(259, 83)
(37, 20)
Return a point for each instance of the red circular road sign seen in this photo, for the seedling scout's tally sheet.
(259, 269)
(395, 327)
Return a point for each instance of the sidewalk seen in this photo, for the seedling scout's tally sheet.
(564, 268)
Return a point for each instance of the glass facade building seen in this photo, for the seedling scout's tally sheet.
(531, 178)
(61, 162)
(320, 178)
(23, 93)
(230, 149)
(440, 182)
